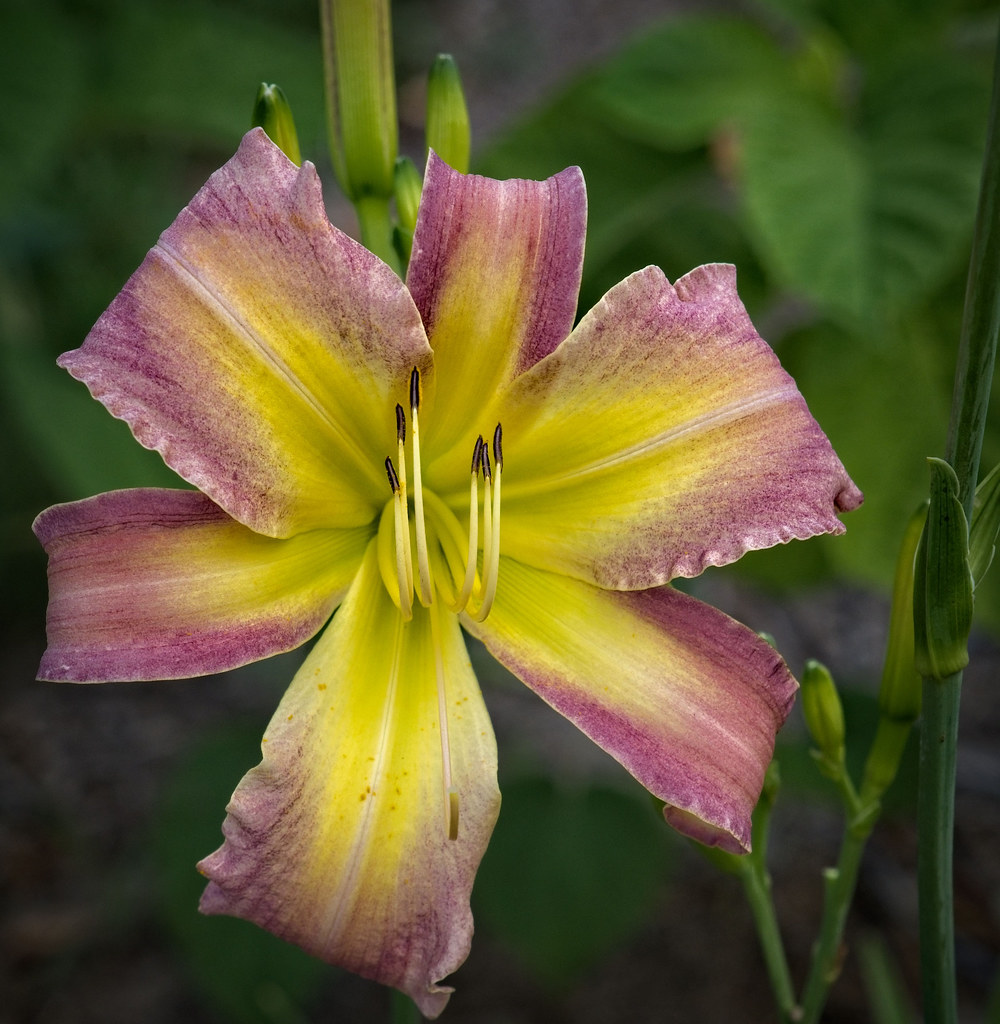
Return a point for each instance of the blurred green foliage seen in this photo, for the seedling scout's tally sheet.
(120, 110)
(832, 157)
(247, 975)
(835, 160)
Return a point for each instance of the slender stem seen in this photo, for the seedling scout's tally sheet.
(935, 825)
(757, 886)
(402, 1009)
(840, 883)
(981, 320)
(756, 879)
(938, 736)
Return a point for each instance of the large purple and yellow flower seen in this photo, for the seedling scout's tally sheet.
(349, 437)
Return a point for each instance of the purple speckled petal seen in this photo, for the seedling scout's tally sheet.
(261, 351)
(338, 839)
(687, 699)
(662, 437)
(158, 584)
(495, 273)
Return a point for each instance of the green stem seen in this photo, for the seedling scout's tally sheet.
(840, 883)
(938, 735)
(376, 229)
(981, 320)
(935, 824)
(402, 1009)
(757, 886)
(753, 872)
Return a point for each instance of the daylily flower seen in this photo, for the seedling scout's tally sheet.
(349, 435)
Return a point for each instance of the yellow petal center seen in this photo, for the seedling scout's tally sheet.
(428, 553)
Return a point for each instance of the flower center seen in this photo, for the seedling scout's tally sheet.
(447, 558)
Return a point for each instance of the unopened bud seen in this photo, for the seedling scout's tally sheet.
(942, 584)
(823, 713)
(361, 95)
(408, 187)
(447, 130)
(899, 694)
(272, 113)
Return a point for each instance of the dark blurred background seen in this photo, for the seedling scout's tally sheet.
(830, 150)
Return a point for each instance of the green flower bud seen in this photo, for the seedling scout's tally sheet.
(985, 525)
(447, 130)
(361, 95)
(942, 584)
(899, 695)
(272, 113)
(824, 714)
(408, 186)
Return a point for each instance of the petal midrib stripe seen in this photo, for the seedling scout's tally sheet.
(705, 422)
(346, 439)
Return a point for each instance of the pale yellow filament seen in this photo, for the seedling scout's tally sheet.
(423, 566)
(491, 547)
(403, 570)
(407, 556)
(450, 790)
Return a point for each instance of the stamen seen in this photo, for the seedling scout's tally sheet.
(423, 566)
(487, 516)
(491, 541)
(401, 455)
(470, 562)
(402, 543)
(450, 790)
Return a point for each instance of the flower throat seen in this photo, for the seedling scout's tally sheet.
(443, 569)
(445, 574)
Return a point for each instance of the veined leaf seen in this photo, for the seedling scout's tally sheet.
(859, 183)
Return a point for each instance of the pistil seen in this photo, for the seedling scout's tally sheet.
(450, 789)
(401, 457)
(423, 566)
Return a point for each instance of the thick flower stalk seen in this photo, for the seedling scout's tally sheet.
(421, 457)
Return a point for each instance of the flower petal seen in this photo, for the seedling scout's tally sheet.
(337, 841)
(495, 273)
(161, 584)
(663, 437)
(687, 699)
(261, 351)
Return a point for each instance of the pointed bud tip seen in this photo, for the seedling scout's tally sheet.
(273, 113)
(942, 585)
(448, 132)
(823, 711)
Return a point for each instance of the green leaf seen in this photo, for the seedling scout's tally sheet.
(681, 83)
(922, 123)
(864, 217)
(806, 198)
(646, 206)
(859, 182)
(569, 874)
